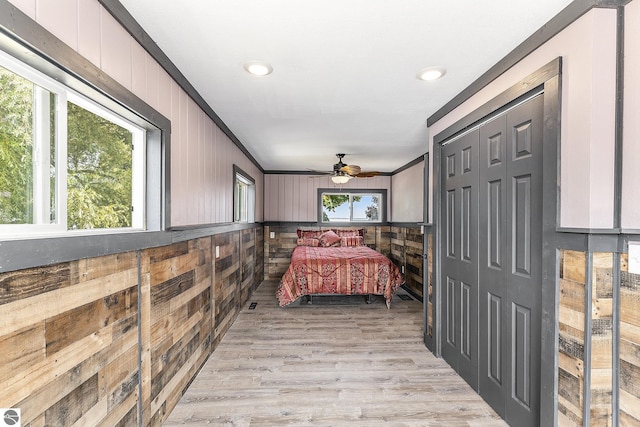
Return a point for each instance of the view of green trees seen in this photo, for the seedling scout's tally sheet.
(16, 136)
(99, 162)
(332, 202)
(98, 171)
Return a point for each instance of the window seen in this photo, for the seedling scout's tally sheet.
(354, 206)
(66, 163)
(244, 196)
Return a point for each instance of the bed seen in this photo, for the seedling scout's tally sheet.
(337, 267)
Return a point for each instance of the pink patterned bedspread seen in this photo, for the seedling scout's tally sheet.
(354, 270)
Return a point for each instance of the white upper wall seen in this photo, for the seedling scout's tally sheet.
(202, 156)
(631, 119)
(407, 189)
(587, 48)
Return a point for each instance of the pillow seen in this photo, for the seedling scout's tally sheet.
(308, 241)
(309, 234)
(329, 238)
(351, 241)
(350, 233)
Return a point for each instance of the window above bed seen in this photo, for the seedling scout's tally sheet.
(354, 206)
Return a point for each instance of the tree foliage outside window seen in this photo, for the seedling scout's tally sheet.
(99, 163)
(351, 207)
(98, 171)
(16, 148)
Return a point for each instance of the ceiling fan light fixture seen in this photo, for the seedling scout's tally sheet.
(258, 68)
(340, 179)
(431, 73)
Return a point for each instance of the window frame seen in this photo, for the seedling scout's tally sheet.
(44, 85)
(354, 191)
(243, 179)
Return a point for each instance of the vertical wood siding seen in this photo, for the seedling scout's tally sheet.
(572, 279)
(629, 346)
(202, 156)
(601, 311)
(71, 333)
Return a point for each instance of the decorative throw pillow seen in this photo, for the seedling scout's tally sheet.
(308, 241)
(309, 234)
(351, 241)
(349, 233)
(329, 238)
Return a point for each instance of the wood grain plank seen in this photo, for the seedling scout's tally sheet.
(24, 312)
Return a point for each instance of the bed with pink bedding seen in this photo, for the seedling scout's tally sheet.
(344, 270)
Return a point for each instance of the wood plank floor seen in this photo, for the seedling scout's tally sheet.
(328, 365)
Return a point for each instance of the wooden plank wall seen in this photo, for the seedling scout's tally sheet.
(179, 323)
(258, 269)
(69, 342)
(227, 293)
(278, 249)
(397, 238)
(101, 340)
(407, 251)
(572, 281)
(601, 339)
(382, 240)
(403, 245)
(573, 309)
(629, 414)
(413, 260)
(247, 264)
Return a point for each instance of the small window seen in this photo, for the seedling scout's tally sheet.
(67, 163)
(354, 206)
(244, 196)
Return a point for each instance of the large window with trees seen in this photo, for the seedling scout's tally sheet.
(359, 206)
(66, 163)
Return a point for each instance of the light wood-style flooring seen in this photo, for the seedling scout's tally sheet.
(328, 365)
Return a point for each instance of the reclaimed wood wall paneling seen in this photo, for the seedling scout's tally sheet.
(69, 332)
(572, 278)
(72, 347)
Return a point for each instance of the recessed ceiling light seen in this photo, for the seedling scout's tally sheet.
(258, 68)
(431, 73)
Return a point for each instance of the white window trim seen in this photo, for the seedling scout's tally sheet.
(41, 228)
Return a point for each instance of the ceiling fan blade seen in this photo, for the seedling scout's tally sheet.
(368, 174)
(352, 170)
(315, 172)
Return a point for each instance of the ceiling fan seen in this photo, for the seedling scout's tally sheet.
(342, 173)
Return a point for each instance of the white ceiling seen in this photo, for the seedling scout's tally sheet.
(344, 72)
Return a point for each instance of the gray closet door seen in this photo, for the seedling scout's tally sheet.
(510, 262)
(491, 237)
(459, 301)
